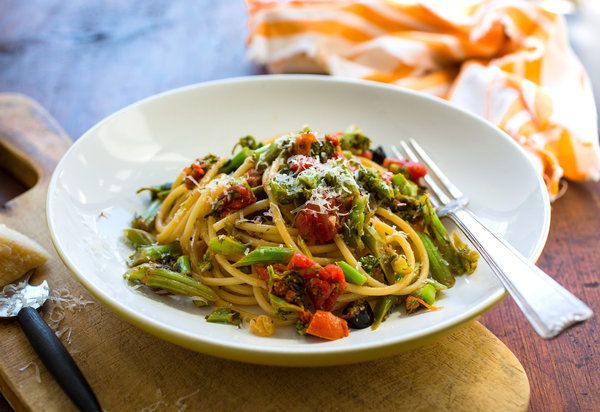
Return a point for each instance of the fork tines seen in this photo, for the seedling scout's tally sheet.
(444, 192)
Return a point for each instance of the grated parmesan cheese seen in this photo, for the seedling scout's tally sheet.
(36, 370)
(180, 403)
(160, 402)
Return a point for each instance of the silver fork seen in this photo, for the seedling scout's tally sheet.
(548, 306)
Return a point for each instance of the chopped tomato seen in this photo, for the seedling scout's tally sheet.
(338, 155)
(327, 326)
(325, 286)
(234, 198)
(300, 163)
(334, 138)
(194, 173)
(333, 274)
(303, 143)
(253, 177)
(317, 227)
(415, 170)
(299, 261)
(368, 154)
(261, 271)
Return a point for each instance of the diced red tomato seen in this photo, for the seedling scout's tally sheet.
(194, 173)
(415, 170)
(299, 261)
(326, 325)
(338, 155)
(234, 198)
(368, 154)
(303, 143)
(317, 227)
(325, 286)
(253, 177)
(300, 163)
(261, 271)
(334, 138)
(333, 274)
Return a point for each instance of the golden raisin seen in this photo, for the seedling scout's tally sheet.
(262, 326)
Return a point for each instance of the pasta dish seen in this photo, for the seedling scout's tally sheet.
(319, 232)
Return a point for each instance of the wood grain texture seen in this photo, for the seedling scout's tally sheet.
(130, 370)
(83, 60)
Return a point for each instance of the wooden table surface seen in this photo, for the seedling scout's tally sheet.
(84, 60)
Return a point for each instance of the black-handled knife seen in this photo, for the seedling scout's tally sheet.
(22, 300)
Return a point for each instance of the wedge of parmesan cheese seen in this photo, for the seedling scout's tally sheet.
(18, 255)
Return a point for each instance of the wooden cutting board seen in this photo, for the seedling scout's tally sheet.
(469, 369)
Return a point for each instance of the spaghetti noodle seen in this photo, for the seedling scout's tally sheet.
(306, 230)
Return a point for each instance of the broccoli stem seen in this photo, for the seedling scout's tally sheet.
(236, 161)
(225, 315)
(383, 308)
(437, 265)
(155, 253)
(227, 246)
(266, 255)
(139, 237)
(160, 277)
(351, 274)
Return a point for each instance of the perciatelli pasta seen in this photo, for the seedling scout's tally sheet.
(318, 232)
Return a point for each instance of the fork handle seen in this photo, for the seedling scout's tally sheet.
(548, 306)
(58, 361)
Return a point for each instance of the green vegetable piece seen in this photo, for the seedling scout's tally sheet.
(354, 228)
(139, 237)
(405, 186)
(266, 255)
(285, 188)
(437, 285)
(372, 181)
(369, 263)
(355, 141)
(205, 263)
(200, 302)
(469, 257)
(267, 154)
(385, 255)
(372, 240)
(322, 150)
(157, 192)
(247, 141)
(282, 308)
(155, 253)
(438, 267)
(236, 161)
(225, 315)
(351, 274)
(145, 221)
(440, 238)
(226, 246)
(383, 308)
(182, 265)
(426, 293)
(160, 277)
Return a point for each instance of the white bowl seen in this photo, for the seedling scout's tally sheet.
(92, 198)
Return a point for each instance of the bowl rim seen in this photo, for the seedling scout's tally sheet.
(288, 356)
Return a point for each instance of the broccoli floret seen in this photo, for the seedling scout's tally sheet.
(372, 182)
(285, 189)
(355, 141)
(247, 141)
(322, 150)
(355, 226)
(369, 263)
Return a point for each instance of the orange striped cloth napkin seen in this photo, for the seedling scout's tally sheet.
(507, 61)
